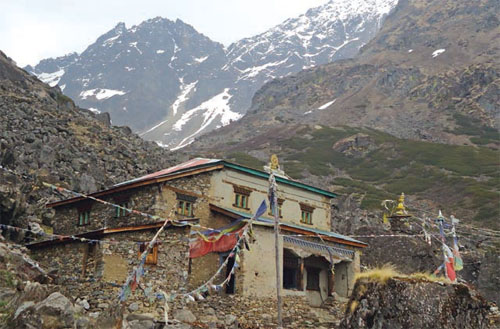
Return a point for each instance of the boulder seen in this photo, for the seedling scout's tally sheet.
(139, 321)
(184, 315)
(415, 303)
(56, 310)
(355, 145)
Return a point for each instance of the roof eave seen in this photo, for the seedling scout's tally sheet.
(191, 171)
(292, 228)
(103, 232)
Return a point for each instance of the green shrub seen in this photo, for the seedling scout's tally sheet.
(247, 160)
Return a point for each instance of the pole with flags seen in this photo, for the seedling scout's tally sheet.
(449, 269)
(273, 200)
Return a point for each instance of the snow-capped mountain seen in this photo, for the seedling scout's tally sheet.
(171, 84)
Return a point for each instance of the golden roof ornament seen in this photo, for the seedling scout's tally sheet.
(274, 165)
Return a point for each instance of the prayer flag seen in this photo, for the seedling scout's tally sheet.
(449, 263)
(459, 264)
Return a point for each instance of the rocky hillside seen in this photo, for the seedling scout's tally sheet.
(171, 83)
(382, 123)
(45, 137)
(431, 73)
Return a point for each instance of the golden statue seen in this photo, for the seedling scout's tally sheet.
(274, 162)
(400, 208)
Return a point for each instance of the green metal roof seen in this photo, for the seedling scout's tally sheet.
(310, 229)
(279, 179)
(198, 163)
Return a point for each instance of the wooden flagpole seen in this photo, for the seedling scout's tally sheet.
(276, 248)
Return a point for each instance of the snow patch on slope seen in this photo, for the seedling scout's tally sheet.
(252, 72)
(101, 93)
(321, 108)
(134, 44)
(109, 42)
(324, 106)
(185, 90)
(215, 108)
(438, 52)
(201, 59)
(52, 79)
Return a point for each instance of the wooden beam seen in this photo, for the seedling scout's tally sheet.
(85, 259)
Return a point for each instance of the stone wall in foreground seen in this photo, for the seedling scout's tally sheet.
(236, 311)
(108, 265)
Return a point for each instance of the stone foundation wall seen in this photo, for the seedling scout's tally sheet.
(203, 268)
(109, 264)
(236, 311)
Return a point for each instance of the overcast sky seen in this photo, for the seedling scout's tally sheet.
(31, 30)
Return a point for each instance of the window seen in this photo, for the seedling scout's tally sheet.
(152, 257)
(83, 217)
(306, 214)
(241, 196)
(280, 204)
(292, 270)
(306, 217)
(83, 209)
(119, 212)
(241, 201)
(185, 208)
(185, 204)
(312, 278)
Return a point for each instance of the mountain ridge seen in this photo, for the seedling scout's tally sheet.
(390, 118)
(176, 92)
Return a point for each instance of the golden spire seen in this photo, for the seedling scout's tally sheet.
(400, 210)
(274, 162)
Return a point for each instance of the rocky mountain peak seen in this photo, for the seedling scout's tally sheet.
(171, 83)
(120, 28)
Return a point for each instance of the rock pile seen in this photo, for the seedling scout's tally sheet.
(411, 303)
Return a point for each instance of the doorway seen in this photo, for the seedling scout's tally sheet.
(230, 286)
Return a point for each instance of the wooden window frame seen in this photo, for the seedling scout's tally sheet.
(241, 197)
(185, 208)
(306, 214)
(183, 200)
(119, 212)
(152, 257)
(83, 217)
(241, 201)
(306, 217)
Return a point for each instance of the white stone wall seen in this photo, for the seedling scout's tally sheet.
(222, 191)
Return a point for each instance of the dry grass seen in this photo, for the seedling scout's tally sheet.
(384, 273)
(381, 274)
